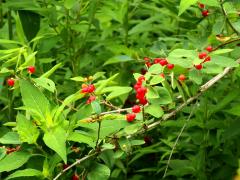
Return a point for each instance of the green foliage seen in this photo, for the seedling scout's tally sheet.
(90, 58)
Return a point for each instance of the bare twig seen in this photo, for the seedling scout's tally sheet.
(176, 142)
(74, 164)
(224, 44)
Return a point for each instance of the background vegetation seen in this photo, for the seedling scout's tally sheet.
(53, 49)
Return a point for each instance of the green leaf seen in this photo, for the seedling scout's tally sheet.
(25, 173)
(14, 161)
(51, 71)
(45, 83)
(96, 107)
(156, 80)
(234, 110)
(118, 59)
(224, 61)
(116, 91)
(221, 51)
(68, 4)
(79, 137)
(10, 138)
(33, 98)
(182, 57)
(26, 130)
(164, 96)
(3, 152)
(152, 93)
(78, 78)
(56, 140)
(155, 69)
(154, 110)
(195, 76)
(185, 4)
(98, 171)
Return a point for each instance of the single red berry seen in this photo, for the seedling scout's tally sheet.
(148, 64)
(205, 13)
(181, 77)
(208, 58)
(142, 90)
(91, 88)
(143, 71)
(209, 48)
(65, 166)
(146, 59)
(137, 86)
(140, 96)
(200, 5)
(157, 60)
(143, 101)
(75, 177)
(130, 117)
(11, 82)
(84, 90)
(170, 66)
(162, 75)
(198, 66)
(202, 55)
(163, 62)
(141, 79)
(91, 99)
(136, 109)
(31, 69)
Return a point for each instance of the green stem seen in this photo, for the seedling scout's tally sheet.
(98, 135)
(10, 30)
(1, 14)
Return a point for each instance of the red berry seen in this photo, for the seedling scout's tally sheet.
(142, 90)
(84, 90)
(143, 101)
(209, 48)
(205, 13)
(200, 5)
(198, 66)
(163, 62)
(148, 64)
(91, 99)
(181, 77)
(143, 71)
(75, 177)
(137, 86)
(157, 60)
(208, 58)
(91, 88)
(162, 75)
(146, 59)
(136, 109)
(65, 166)
(11, 82)
(170, 66)
(130, 117)
(141, 79)
(202, 55)
(31, 69)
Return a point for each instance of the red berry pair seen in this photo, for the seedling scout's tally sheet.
(88, 88)
(91, 99)
(131, 116)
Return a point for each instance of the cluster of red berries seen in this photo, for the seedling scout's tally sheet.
(205, 57)
(141, 90)
(205, 12)
(131, 116)
(89, 89)
(161, 61)
(30, 69)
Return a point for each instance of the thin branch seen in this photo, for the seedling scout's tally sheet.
(74, 164)
(224, 44)
(176, 142)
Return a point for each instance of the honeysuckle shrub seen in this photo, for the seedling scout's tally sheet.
(95, 82)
